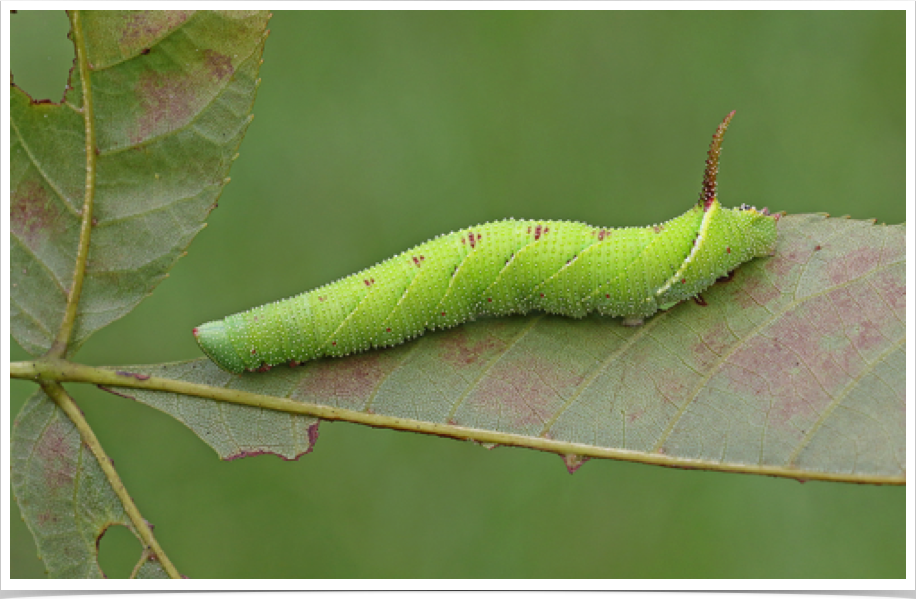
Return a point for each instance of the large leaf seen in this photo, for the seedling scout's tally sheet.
(171, 96)
(793, 367)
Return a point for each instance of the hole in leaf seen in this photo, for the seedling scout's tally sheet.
(40, 53)
(119, 551)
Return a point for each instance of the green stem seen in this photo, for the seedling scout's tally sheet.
(62, 342)
(66, 403)
(63, 370)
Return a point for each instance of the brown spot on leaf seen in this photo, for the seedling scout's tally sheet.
(220, 65)
(890, 285)
(635, 415)
(459, 350)
(167, 102)
(46, 518)
(756, 291)
(58, 457)
(525, 391)
(345, 382)
(713, 344)
(787, 260)
(33, 214)
(850, 266)
(143, 27)
(671, 383)
(800, 363)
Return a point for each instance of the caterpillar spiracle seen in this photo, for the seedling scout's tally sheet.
(501, 268)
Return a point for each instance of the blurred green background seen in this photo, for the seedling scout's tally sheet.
(377, 130)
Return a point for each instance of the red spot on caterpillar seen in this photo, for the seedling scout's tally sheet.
(416, 261)
(472, 239)
(489, 299)
(333, 343)
(603, 234)
(368, 282)
(537, 232)
(700, 301)
(253, 351)
(658, 228)
(443, 314)
(542, 295)
(321, 298)
(728, 250)
(388, 329)
(294, 363)
(817, 248)
(194, 331)
(264, 367)
(683, 281)
(607, 295)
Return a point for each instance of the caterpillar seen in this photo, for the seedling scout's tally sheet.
(501, 268)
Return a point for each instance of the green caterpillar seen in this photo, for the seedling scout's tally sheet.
(500, 268)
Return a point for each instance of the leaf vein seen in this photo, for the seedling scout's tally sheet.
(53, 185)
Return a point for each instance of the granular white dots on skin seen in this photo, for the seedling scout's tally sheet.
(468, 297)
